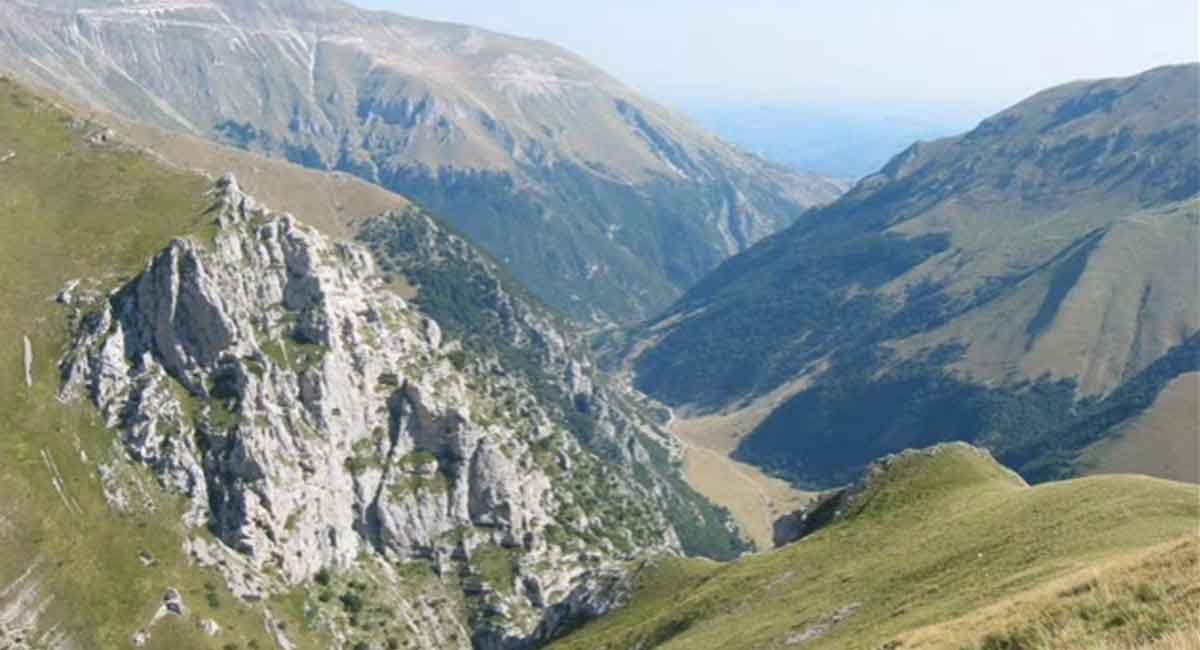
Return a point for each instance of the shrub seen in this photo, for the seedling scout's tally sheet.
(352, 602)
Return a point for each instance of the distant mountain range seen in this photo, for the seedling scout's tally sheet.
(1030, 285)
(606, 205)
(842, 141)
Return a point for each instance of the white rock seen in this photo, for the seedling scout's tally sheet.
(28, 363)
(210, 627)
(246, 374)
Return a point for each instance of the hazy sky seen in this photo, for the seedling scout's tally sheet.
(976, 54)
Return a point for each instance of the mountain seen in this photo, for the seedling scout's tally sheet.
(1029, 286)
(941, 549)
(226, 428)
(604, 204)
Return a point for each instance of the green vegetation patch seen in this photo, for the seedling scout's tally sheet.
(824, 437)
(496, 566)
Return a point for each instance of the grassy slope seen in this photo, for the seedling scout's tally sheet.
(1162, 441)
(328, 201)
(70, 210)
(1051, 251)
(939, 539)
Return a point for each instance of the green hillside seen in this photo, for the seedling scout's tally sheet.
(942, 549)
(77, 209)
(1027, 286)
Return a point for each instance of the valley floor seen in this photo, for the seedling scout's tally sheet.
(755, 498)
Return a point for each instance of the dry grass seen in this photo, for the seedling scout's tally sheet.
(1146, 600)
(1164, 441)
(942, 552)
(1185, 639)
(755, 498)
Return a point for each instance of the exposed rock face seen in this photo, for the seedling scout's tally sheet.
(23, 603)
(317, 422)
(491, 317)
(28, 347)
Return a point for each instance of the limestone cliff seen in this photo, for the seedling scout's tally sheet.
(323, 428)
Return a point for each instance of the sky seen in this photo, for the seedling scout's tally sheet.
(974, 55)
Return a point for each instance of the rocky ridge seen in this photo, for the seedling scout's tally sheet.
(477, 303)
(323, 428)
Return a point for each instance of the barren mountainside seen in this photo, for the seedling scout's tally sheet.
(1027, 285)
(603, 203)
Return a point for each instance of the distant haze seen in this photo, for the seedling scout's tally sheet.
(971, 56)
(845, 142)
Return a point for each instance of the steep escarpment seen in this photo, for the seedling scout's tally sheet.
(604, 204)
(1027, 286)
(477, 303)
(319, 425)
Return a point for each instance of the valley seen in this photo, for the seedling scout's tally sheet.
(755, 499)
(969, 290)
(327, 328)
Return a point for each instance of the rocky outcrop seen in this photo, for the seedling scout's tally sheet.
(23, 602)
(494, 319)
(318, 423)
(529, 341)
